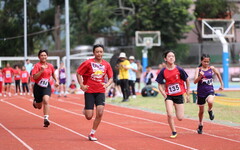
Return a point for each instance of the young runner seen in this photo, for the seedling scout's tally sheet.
(205, 91)
(91, 77)
(8, 73)
(25, 79)
(42, 72)
(171, 85)
(17, 79)
(62, 80)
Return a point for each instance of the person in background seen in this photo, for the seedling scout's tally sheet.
(42, 72)
(139, 74)
(28, 65)
(1, 81)
(8, 73)
(172, 89)
(123, 67)
(56, 72)
(205, 91)
(91, 76)
(132, 75)
(25, 78)
(17, 78)
(148, 76)
(62, 80)
(72, 87)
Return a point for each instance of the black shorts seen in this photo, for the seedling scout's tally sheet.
(176, 99)
(138, 80)
(94, 98)
(202, 100)
(39, 92)
(7, 83)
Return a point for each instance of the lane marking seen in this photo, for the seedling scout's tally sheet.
(16, 137)
(153, 121)
(70, 130)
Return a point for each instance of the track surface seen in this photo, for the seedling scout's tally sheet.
(21, 128)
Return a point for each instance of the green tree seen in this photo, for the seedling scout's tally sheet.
(12, 27)
(168, 16)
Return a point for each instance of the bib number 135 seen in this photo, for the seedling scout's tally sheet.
(174, 88)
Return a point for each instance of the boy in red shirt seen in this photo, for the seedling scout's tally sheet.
(17, 78)
(91, 77)
(25, 79)
(7, 76)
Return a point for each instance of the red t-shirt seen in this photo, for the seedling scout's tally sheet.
(44, 78)
(17, 74)
(174, 80)
(1, 77)
(24, 76)
(8, 74)
(94, 74)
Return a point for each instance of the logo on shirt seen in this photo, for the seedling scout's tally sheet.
(98, 71)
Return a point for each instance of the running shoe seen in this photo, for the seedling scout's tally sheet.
(34, 102)
(199, 130)
(211, 115)
(91, 137)
(46, 123)
(174, 135)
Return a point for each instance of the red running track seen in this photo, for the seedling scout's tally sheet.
(21, 128)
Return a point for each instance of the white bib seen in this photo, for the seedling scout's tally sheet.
(43, 82)
(174, 88)
(8, 74)
(24, 75)
(62, 75)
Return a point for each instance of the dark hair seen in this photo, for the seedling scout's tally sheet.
(41, 51)
(202, 57)
(97, 45)
(165, 53)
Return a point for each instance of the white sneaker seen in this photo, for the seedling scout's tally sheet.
(20, 93)
(91, 137)
(134, 96)
(5, 95)
(0, 94)
(15, 94)
(9, 94)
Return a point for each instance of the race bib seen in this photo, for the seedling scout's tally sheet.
(24, 75)
(174, 88)
(43, 82)
(1, 79)
(62, 75)
(8, 74)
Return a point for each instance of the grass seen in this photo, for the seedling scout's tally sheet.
(223, 113)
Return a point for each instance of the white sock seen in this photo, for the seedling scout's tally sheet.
(92, 131)
(46, 117)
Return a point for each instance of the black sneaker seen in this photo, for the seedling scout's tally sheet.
(34, 102)
(211, 115)
(199, 130)
(125, 100)
(46, 123)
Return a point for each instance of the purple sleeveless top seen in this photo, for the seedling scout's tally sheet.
(205, 85)
(62, 76)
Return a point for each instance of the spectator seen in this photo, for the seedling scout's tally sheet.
(72, 87)
(132, 75)
(17, 78)
(148, 76)
(8, 73)
(28, 65)
(25, 78)
(62, 81)
(123, 67)
(139, 74)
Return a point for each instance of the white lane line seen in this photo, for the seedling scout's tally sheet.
(104, 145)
(162, 123)
(74, 113)
(16, 137)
